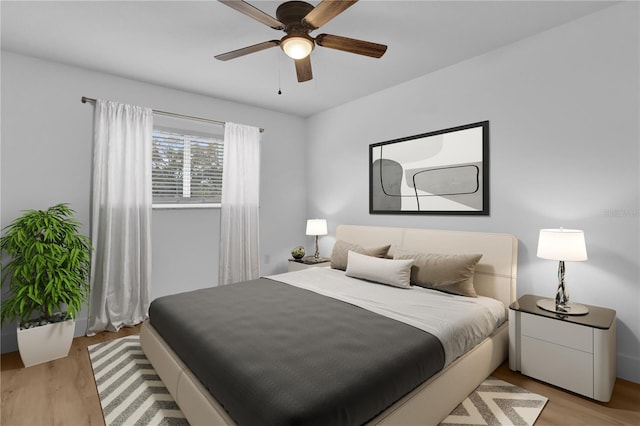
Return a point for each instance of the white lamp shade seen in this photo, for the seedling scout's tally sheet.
(316, 227)
(297, 47)
(562, 244)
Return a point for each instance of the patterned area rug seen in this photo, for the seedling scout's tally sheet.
(131, 393)
(496, 402)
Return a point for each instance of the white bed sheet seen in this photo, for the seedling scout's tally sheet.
(458, 322)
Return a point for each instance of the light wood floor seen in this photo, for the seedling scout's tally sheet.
(63, 393)
(57, 393)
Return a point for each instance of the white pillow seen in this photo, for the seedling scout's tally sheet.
(392, 272)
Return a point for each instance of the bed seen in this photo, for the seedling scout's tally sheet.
(429, 401)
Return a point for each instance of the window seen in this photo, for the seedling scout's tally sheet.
(186, 168)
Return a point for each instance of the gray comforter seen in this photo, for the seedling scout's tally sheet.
(273, 354)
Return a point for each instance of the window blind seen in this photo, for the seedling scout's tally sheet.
(186, 168)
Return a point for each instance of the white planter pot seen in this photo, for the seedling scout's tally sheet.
(46, 342)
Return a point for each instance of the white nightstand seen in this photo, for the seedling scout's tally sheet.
(577, 353)
(307, 262)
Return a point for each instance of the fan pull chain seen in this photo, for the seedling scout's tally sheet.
(279, 80)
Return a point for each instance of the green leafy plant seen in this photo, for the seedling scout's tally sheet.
(49, 268)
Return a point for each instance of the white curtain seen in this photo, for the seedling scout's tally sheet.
(120, 216)
(239, 224)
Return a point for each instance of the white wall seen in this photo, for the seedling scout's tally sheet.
(47, 153)
(564, 133)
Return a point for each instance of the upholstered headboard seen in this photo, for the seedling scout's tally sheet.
(495, 274)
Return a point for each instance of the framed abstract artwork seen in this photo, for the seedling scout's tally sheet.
(439, 173)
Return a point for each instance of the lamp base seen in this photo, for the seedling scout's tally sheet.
(568, 309)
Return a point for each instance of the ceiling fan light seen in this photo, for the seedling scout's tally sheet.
(297, 46)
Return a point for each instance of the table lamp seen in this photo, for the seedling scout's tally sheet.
(562, 245)
(317, 227)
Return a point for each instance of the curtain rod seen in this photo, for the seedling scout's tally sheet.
(84, 100)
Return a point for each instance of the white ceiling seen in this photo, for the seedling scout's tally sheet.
(173, 43)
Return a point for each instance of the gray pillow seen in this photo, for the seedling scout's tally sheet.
(339, 255)
(452, 273)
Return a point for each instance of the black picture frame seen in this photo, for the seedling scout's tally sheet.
(445, 172)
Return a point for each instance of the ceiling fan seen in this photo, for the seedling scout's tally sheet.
(297, 19)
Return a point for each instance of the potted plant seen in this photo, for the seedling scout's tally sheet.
(48, 278)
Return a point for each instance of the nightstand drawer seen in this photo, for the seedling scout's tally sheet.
(577, 353)
(558, 332)
(561, 366)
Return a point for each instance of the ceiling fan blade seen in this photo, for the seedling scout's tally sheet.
(351, 45)
(303, 69)
(254, 12)
(247, 50)
(326, 11)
